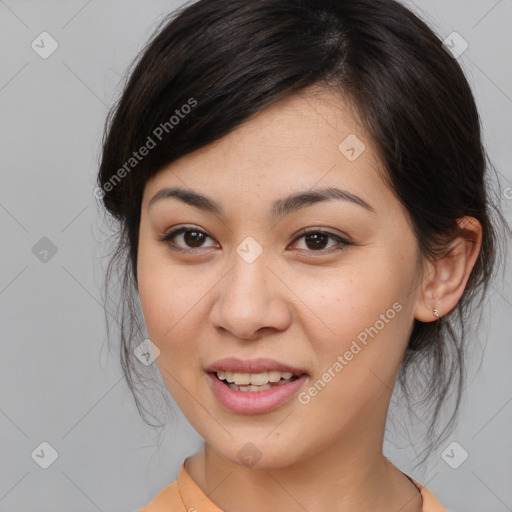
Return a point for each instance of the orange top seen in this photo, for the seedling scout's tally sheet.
(184, 495)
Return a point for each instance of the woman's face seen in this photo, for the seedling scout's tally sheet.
(244, 291)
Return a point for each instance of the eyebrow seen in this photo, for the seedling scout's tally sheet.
(280, 207)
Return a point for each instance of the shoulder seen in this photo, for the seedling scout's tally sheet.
(430, 502)
(167, 500)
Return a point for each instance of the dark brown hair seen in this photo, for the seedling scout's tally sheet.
(230, 59)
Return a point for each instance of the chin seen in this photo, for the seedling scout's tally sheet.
(257, 454)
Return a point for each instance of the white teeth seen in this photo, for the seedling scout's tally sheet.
(254, 379)
(274, 376)
(242, 378)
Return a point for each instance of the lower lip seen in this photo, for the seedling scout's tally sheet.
(254, 402)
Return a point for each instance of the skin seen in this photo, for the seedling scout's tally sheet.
(295, 303)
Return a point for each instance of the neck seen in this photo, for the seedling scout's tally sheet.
(354, 475)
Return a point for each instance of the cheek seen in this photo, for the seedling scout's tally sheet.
(364, 318)
(349, 299)
(170, 300)
(168, 292)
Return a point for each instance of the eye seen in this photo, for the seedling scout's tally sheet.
(315, 241)
(192, 237)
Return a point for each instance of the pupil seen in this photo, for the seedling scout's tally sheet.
(317, 242)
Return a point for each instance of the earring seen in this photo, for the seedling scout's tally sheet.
(436, 313)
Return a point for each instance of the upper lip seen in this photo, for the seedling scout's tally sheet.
(260, 365)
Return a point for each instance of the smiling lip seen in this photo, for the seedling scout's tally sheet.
(253, 402)
(232, 364)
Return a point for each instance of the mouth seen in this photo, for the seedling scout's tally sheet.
(254, 386)
(254, 382)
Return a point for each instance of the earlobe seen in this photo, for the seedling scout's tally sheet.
(447, 277)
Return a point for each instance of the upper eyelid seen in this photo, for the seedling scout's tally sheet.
(193, 227)
(304, 231)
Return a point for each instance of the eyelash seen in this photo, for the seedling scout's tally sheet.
(167, 239)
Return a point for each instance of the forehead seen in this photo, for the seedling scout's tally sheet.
(307, 140)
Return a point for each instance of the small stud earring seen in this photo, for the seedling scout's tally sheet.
(436, 313)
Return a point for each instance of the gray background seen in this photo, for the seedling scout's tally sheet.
(58, 382)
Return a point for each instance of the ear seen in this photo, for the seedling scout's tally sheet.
(447, 277)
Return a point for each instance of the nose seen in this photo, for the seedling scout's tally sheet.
(252, 300)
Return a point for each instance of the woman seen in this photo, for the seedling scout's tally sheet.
(300, 190)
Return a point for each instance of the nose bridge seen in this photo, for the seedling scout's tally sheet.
(249, 278)
(248, 260)
(249, 299)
